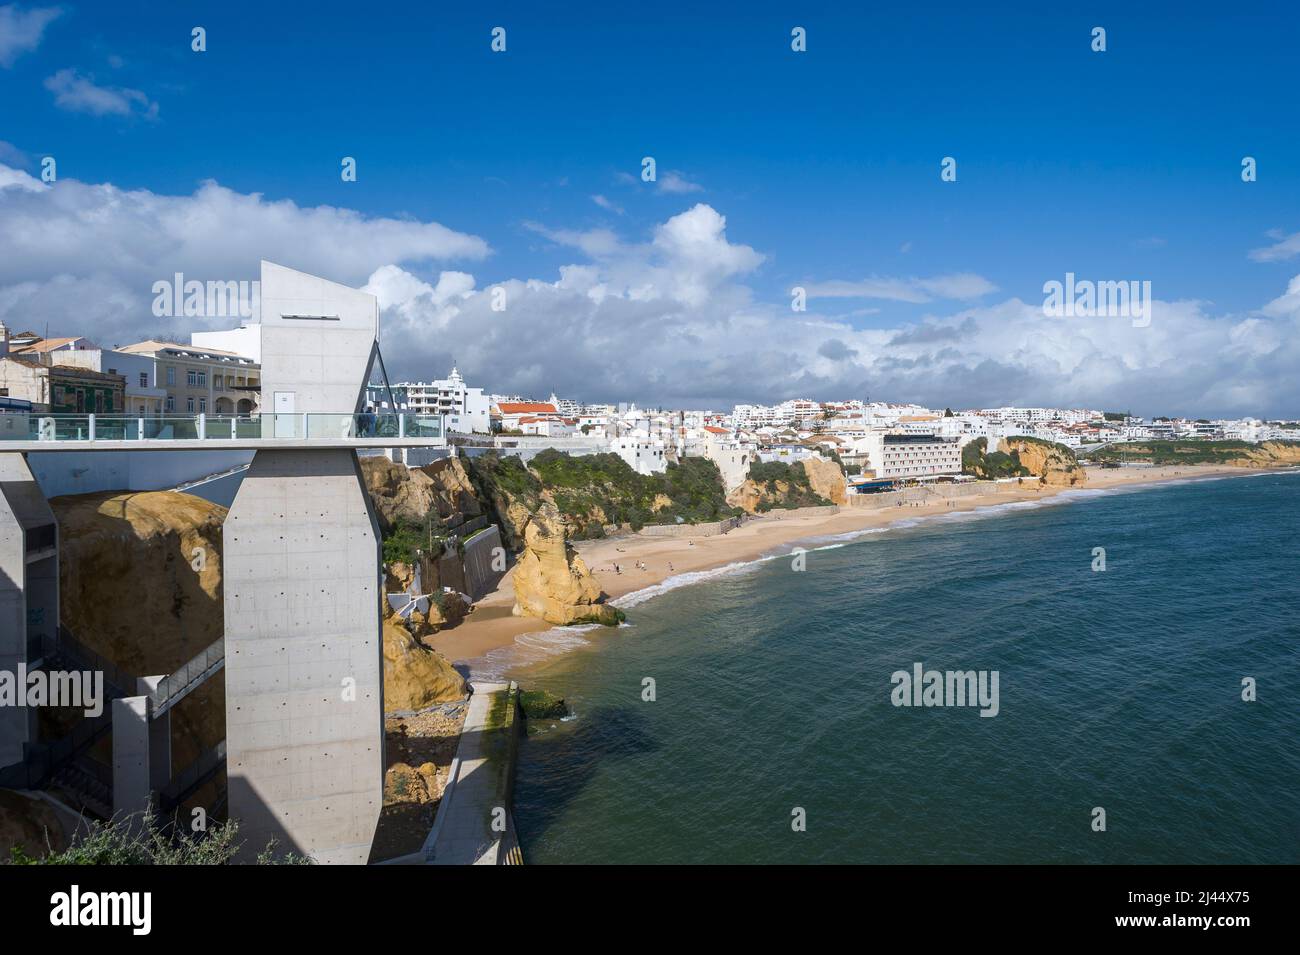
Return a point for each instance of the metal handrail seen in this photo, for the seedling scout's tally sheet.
(177, 683)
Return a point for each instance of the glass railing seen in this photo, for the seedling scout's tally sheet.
(312, 426)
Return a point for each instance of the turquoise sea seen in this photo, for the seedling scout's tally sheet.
(1119, 689)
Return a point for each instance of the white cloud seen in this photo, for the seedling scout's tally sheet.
(79, 94)
(1284, 247)
(676, 183)
(85, 257)
(17, 179)
(608, 204)
(668, 316)
(963, 286)
(21, 30)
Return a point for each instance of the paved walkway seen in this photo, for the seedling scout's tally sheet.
(475, 812)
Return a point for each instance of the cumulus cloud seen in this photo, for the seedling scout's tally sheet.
(84, 257)
(79, 94)
(21, 30)
(666, 316)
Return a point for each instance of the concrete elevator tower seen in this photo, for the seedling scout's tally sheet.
(302, 559)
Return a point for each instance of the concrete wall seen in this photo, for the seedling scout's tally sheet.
(480, 577)
(317, 339)
(29, 591)
(302, 592)
(711, 529)
(80, 472)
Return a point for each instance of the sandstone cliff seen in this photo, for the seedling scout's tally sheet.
(442, 489)
(780, 486)
(1270, 454)
(415, 677)
(1052, 464)
(751, 495)
(140, 584)
(551, 581)
(826, 479)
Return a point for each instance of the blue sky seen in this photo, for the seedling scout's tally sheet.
(825, 164)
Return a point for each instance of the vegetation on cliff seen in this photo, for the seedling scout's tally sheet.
(596, 490)
(978, 461)
(776, 485)
(1228, 453)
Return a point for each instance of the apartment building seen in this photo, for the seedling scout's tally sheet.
(900, 456)
(199, 380)
(48, 373)
(467, 409)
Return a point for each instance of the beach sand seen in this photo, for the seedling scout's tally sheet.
(492, 627)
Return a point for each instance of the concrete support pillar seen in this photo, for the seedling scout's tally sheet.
(304, 666)
(29, 588)
(142, 757)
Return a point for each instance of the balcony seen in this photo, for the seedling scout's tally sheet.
(42, 432)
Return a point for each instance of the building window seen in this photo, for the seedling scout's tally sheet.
(189, 404)
(203, 379)
(144, 379)
(203, 406)
(171, 403)
(219, 382)
(171, 376)
(192, 378)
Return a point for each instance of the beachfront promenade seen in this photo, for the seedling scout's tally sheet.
(474, 825)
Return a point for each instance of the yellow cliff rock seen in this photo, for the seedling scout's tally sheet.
(551, 581)
(1050, 464)
(826, 479)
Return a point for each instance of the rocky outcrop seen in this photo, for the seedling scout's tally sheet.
(454, 491)
(751, 495)
(826, 479)
(551, 581)
(780, 486)
(397, 492)
(415, 677)
(140, 584)
(1052, 464)
(1272, 454)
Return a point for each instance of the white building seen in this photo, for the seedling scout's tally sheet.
(900, 456)
(643, 455)
(466, 408)
(734, 458)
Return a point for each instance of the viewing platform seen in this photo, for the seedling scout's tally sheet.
(23, 432)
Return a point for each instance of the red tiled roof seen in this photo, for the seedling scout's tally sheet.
(526, 407)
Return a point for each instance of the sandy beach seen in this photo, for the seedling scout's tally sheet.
(492, 627)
